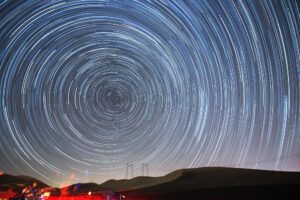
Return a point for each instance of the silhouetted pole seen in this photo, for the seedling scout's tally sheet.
(145, 169)
(129, 170)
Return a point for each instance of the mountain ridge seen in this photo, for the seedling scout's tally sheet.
(182, 180)
(195, 179)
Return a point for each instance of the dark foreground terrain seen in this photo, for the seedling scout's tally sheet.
(185, 184)
(237, 193)
(223, 183)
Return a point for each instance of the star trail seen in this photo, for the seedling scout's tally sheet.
(89, 86)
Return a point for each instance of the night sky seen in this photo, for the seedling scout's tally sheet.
(87, 87)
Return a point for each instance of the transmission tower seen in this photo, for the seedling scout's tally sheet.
(129, 171)
(145, 169)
